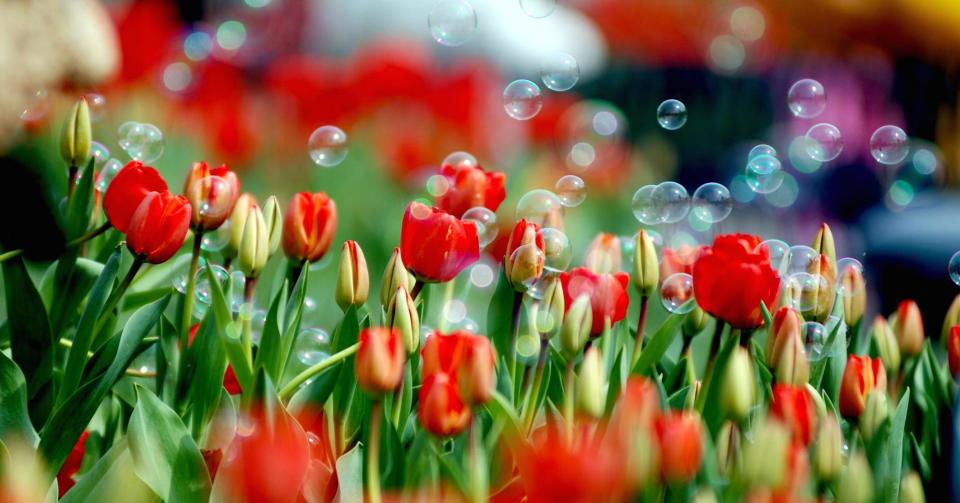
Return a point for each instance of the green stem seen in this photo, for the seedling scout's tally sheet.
(447, 296)
(90, 235)
(568, 400)
(117, 294)
(72, 173)
(373, 454)
(9, 255)
(315, 369)
(397, 405)
(293, 274)
(641, 323)
(533, 395)
(187, 315)
(514, 335)
(247, 334)
(478, 468)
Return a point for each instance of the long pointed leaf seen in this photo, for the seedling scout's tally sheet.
(14, 418)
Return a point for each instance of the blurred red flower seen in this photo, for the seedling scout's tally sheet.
(681, 445)
(441, 410)
(793, 406)
(72, 465)
(380, 360)
(470, 187)
(607, 292)
(861, 376)
(732, 278)
(466, 356)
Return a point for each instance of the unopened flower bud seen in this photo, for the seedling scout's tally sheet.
(911, 488)
(764, 459)
(695, 322)
(739, 386)
(603, 255)
(524, 259)
(75, 137)
(908, 328)
(728, 448)
(953, 350)
(861, 376)
(856, 483)
(824, 245)
(353, 281)
(886, 343)
(824, 295)
(875, 414)
(245, 202)
(793, 366)
(785, 327)
(475, 368)
(646, 269)
(643, 457)
(254, 245)
(550, 313)
(394, 276)
(952, 318)
(681, 445)
(403, 316)
(591, 386)
(704, 495)
(380, 359)
(827, 456)
(818, 403)
(854, 296)
(576, 327)
(272, 215)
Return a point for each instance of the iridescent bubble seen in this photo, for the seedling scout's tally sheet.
(806, 98)
(842, 266)
(676, 291)
(672, 114)
(37, 109)
(814, 340)
(761, 149)
(889, 145)
(526, 256)
(215, 196)
(180, 283)
(452, 22)
(100, 155)
(644, 207)
(437, 185)
(557, 250)
(203, 293)
(214, 241)
(460, 160)
(953, 268)
(97, 105)
(486, 221)
(764, 174)
(802, 259)
(799, 156)
(238, 283)
(142, 142)
(538, 8)
(804, 290)
(107, 174)
(778, 251)
(672, 202)
(824, 142)
(712, 202)
(539, 206)
(123, 131)
(312, 345)
(571, 190)
(522, 100)
(327, 146)
(309, 304)
(559, 71)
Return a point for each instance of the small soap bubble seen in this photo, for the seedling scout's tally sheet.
(559, 71)
(522, 100)
(761, 149)
(215, 196)
(97, 105)
(803, 259)
(764, 174)
(676, 291)
(100, 155)
(312, 345)
(814, 340)
(571, 190)
(824, 142)
(527, 257)
(806, 98)
(644, 208)
(452, 22)
(539, 206)
(672, 202)
(778, 252)
(216, 240)
(672, 114)
(141, 141)
(107, 174)
(889, 145)
(804, 290)
(486, 222)
(953, 268)
(459, 160)
(557, 250)
(327, 146)
(712, 202)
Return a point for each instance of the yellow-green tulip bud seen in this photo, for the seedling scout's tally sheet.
(704, 495)
(394, 276)
(911, 488)
(691, 401)
(728, 448)
(576, 327)
(238, 218)
(254, 245)
(824, 245)
(550, 313)
(739, 388)
(695, 322)
(854, 296)
(886, 343)
(827, 456)
(793, 366)
(646, 269)
(403, 316)
(875, 413)
(76, 135)
(818, 402)
(951, 319)
(353, 281)
(856, 483)
(274, 218)
(591, 385)
(764, 459)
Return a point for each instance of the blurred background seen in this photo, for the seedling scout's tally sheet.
(246, 82)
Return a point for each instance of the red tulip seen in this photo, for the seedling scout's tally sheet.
(793, 406)
(861, 376)
(466, 356)
(470, 187)
(953, 350)
(607, 292)
(522, 268)
(436, 245)
(72, 465)
(127, 190)
(604, 254)
(681, 446)
(732, 278)
(441, 410)
(212, 202)
(380, 359)
(308, 226)
(680, 259)
(159, 226)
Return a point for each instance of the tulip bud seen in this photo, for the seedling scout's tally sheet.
(911, 488)
(475, 369)
(550, 314)
(953, 350)
(825, 294)
(793, 366)
(524, 259)
(75, 137)
(854, 295)
(695, 322)
(245, 202)
(764, 459)
(576, 327)
(394, 276)
(824, 245)
(875, 413)
(603, 255)
(952, 318)
(380, 359)
(886, 343)
(828, 450)
(681, 445)
(786, 326)
(908, 328)
(861, 376)
(739, 386)
(704, 495)
(440, 410)
(646, 270)
(643, 457)
(856, 483)
(213, 193)
(818, 403)
(353, 281)
(272, 215)
(591, 386)
(255, 245)
(403, 316)
(728, 448)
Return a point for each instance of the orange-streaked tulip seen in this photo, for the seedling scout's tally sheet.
(786, 324)
(607, 293)
(441, 410)
(212, 202)
(824, 244)
(908, 328)
(854, 294)
(470, 187)
(793, 406)
(308, 226)
(380, 359)
(395, 275)
(681, 445)
(524, 259)
(159, 226)
(353, 280)
(467, 357)
(861, 376)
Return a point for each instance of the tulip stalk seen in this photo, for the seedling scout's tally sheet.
(373, 454)
(514, 335)
(641, 323)
(533, 394)
(187, 314)
(568, 404)
(247, 335)
(288, 390)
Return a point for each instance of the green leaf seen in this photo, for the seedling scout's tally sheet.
(499, 408)
(164, 454)
(346, 383)
(350, 475)
(229, 331)
(500, 316)
(14, 417)
(63, 295)
(72, 417)
(31, 342)
(83, 339)
(613, 389)
(889, 466)
(819, 367)
(292, 317)
(270, 355)
(208, 363)
(658, 344)
(109, 477)
(767, 317)
(708, 401)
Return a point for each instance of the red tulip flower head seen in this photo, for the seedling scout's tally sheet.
(212, 193)
(159, 226)
(732, 278)
(380, 359)
(441, 410)
(524, 259)
(794, 407)
(861, 376)
(953, 350)
(607, 293)
(269, 464)
(436, 245)
(470, 187)
(308, 226)
(127, 190)
(468, 357)
(681, 445)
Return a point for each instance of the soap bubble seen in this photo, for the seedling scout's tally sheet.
(814, 340)
(571, 190)
(215, 196)
(806, 98)
(327, 146)
(522, 100)
(437, 185)
(100, 155)
(824, 142)
(216, 240)
(764, 174)
(557, 250)
(889, 145)
(842, 266)
(672, 114)
(953, 268)
(107, 174)
(460, 160)
(312, 345)
(712, 202)
(676, 291)
(486, 222)
(97, 105)
(538, 8)
(644, 208)
(204, 293)
(526, 256)
(672, 202)
(141, 141)
(804, 290)
(539, 206)
(452, 22)
(803, 259)
(761, 149)
(559, 71)
(778, 251)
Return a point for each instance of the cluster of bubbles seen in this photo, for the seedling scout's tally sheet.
(327, 146)
(141, 141)
(669, 202)
(764, 173)
(672, 114)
